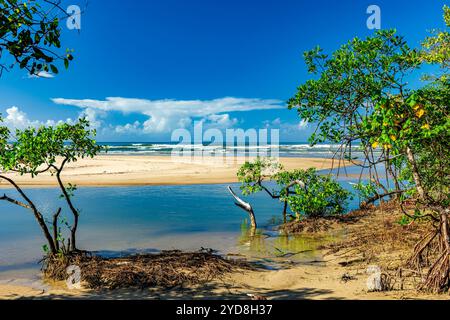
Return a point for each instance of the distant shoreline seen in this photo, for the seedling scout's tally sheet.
(293, 149)
(138, 170)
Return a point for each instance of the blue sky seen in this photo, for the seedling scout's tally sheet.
(145, 68)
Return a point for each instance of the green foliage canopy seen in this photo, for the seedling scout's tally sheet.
(350, 83)
(36, 150)
(306, 192)
(360, 95)
(321, 196)
(30, 34)
(437, 46)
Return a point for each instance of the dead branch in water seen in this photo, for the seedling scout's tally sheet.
(246, 206)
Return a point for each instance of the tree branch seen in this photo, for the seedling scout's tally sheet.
(17, 202)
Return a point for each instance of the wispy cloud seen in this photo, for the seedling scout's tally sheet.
(166, 115)
(286, 127)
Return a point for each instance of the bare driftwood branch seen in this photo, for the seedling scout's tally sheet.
(246, 206)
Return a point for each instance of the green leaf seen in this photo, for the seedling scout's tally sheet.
(54, 69)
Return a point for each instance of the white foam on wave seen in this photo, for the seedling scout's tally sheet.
(164, 148)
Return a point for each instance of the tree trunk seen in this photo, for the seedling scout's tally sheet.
(55, 229)
(73, 234)
(30, 205)
(44, 228)
(445, 229)
(73, 229)
(415, 173)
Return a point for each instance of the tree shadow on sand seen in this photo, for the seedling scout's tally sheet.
(206, 292)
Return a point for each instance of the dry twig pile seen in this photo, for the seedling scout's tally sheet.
(166, 269)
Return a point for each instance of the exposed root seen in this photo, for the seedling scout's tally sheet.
(438, 277)
(166, 269)
(420, 257)
(378, 239)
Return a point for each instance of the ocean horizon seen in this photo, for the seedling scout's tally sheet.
(285, 149)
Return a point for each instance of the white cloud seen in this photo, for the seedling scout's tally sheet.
(303, 124)
(221, 121)
(285, 127)
(42, 74)
(128, 128)
(94, 116)
(276, 122)
(163, 115)
(17, 119)
(166, 115)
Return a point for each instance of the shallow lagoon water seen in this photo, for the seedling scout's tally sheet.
(122, 220)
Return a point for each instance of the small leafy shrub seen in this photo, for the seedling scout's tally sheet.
(305, 192)
(321, 196)
(252, 174)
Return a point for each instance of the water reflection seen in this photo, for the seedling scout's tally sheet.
(277, 246)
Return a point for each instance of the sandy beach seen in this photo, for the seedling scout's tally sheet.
(107, 170)
(311, 281)
(315, 281)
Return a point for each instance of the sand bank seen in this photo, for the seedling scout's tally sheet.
(107, 170)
